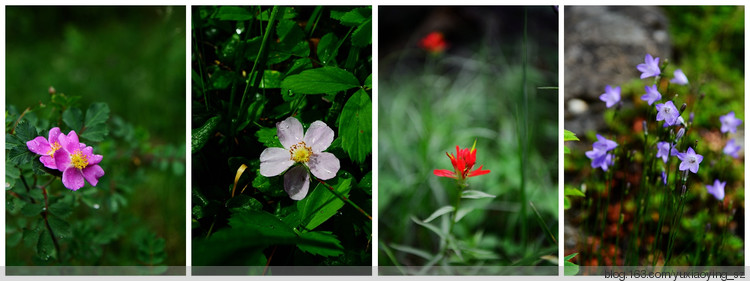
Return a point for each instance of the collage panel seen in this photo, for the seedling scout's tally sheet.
(281, 140)
(468, 140)
(654, 119)
(94, 140)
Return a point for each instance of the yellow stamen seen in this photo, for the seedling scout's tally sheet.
(55, 147)
(79, 160)
(473, 146)
(300, 152)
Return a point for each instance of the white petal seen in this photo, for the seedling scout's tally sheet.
(324, 165)
(290, 132)
(297, 182)
(319, 136)
(274, 161)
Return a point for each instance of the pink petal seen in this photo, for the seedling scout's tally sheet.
(274, 161)
(53, 134)
(297, 182)
(319, 136)
(444, 173)
(92, 174)
(72, 179)
(69, 142)
(38, 145)
(324, 165)
(62, 160)
(289, 132)
(93, 158)
(48, 161)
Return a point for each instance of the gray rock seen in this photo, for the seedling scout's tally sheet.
(603, 45)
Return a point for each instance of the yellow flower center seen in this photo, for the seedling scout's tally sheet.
(55, 147)
(79, 160)
(300, 152)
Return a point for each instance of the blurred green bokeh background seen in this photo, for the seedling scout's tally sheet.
(429, 104)
(132, 58)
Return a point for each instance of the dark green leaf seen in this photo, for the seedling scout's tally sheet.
(366, 183)
(322, 243)
(355, 126)
(243, 202)
(321, 204)
(201, 135)
(299, 65)
(271, 79)
(222, 79)
(368, 82)
(362, 36)
(20, 156)
(73, 117)
(320, 80)
(60, 228)
(150, 248)
(45, 248)
(271, 187)
(268, 137)
(98, 113)
(13, 238)
(95, 133)
(32, 209)
(25, 131)
(233, 13)
(62, 207)
(327, 49)
(356, 16)
(283, 28)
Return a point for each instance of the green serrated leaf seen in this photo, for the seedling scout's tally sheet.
(362, 36)
(60, 228)
(569, 136)
(20, 156)
(25, 131)
(63, 207)
(355, 129)
(356, 16)
(321, 204)
(271, 79)
(242, 203)
(201, 135)
(271, 187)
(327, 49)
(320, 80)
(221, 79)
(368, 82)
(73, 117)
(439, 212)
(366, 183)
(45, 248)
(322, 243)
(32, 209)
(475, 194)
(98, 113)
(268, 137)
(95, 133)
(569, 191)
(233, 13)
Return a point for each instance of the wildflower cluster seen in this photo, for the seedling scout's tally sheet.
(65, 153)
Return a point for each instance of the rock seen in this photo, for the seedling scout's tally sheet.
(603, 45)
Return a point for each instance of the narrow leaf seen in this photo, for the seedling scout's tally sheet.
(475, 194)
(439, 212)
(320, 80)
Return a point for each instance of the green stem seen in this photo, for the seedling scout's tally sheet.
(259, 60)
(343, 198)
(524, 135)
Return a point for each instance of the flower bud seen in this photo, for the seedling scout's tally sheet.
(645, 127)
(682, 108)
(680, 133)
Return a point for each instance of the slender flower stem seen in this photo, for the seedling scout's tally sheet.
(45, 215)
(345, 199)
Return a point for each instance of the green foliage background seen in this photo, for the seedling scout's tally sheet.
(428, 104)
(251, 68)
(132, 59)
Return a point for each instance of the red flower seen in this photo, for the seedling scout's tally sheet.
(433, 42)
(462, 163)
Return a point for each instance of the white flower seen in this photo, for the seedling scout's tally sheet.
(306, 149)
